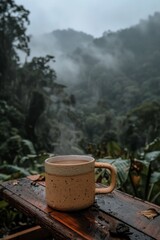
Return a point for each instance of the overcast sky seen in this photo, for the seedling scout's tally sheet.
(90, 16)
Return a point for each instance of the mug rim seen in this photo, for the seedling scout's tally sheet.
(55, 160)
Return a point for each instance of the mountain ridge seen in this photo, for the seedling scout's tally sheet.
(118, 67)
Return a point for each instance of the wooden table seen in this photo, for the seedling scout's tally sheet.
(113, 216)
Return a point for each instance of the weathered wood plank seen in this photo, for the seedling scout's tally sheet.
(41, 216)
(95, 224)
(119, 204)
(92, 223)
(128, 209)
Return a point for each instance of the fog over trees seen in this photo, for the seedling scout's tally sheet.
(109, 76)
(80, 88)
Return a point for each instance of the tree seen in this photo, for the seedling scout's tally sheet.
(36, 85)
(13, 21)
(36, 75)
(141, 126)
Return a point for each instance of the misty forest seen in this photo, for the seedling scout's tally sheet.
(66, 92)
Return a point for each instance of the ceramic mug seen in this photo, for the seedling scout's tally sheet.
(70, 181)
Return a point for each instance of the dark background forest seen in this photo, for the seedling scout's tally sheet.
(102, 86)
(67, 92)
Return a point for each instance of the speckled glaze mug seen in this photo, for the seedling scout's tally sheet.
(70, 181)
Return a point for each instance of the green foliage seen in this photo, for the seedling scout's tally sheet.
(145, 180)
(136, 177)
(12, 220)
(13, 21)
(27, 165)
(14, 171)
(146, 118)
(11, 121)
(4, 177)
(14, 148)
(153, 146)
(122, 167)
(94, 126)
(106, 148)
(38, 74)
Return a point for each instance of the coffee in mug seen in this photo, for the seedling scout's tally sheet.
(70, 181)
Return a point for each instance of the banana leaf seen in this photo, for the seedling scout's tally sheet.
(155, 177)
(154, 159)
(14, 170)
(4, 177)
(122, 166)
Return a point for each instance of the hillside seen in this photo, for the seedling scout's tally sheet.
(120, 69)
(59, 42)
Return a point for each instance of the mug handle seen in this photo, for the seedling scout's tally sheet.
(112, 185)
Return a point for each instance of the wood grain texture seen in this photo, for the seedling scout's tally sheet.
(100, 221)
(35, 233)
